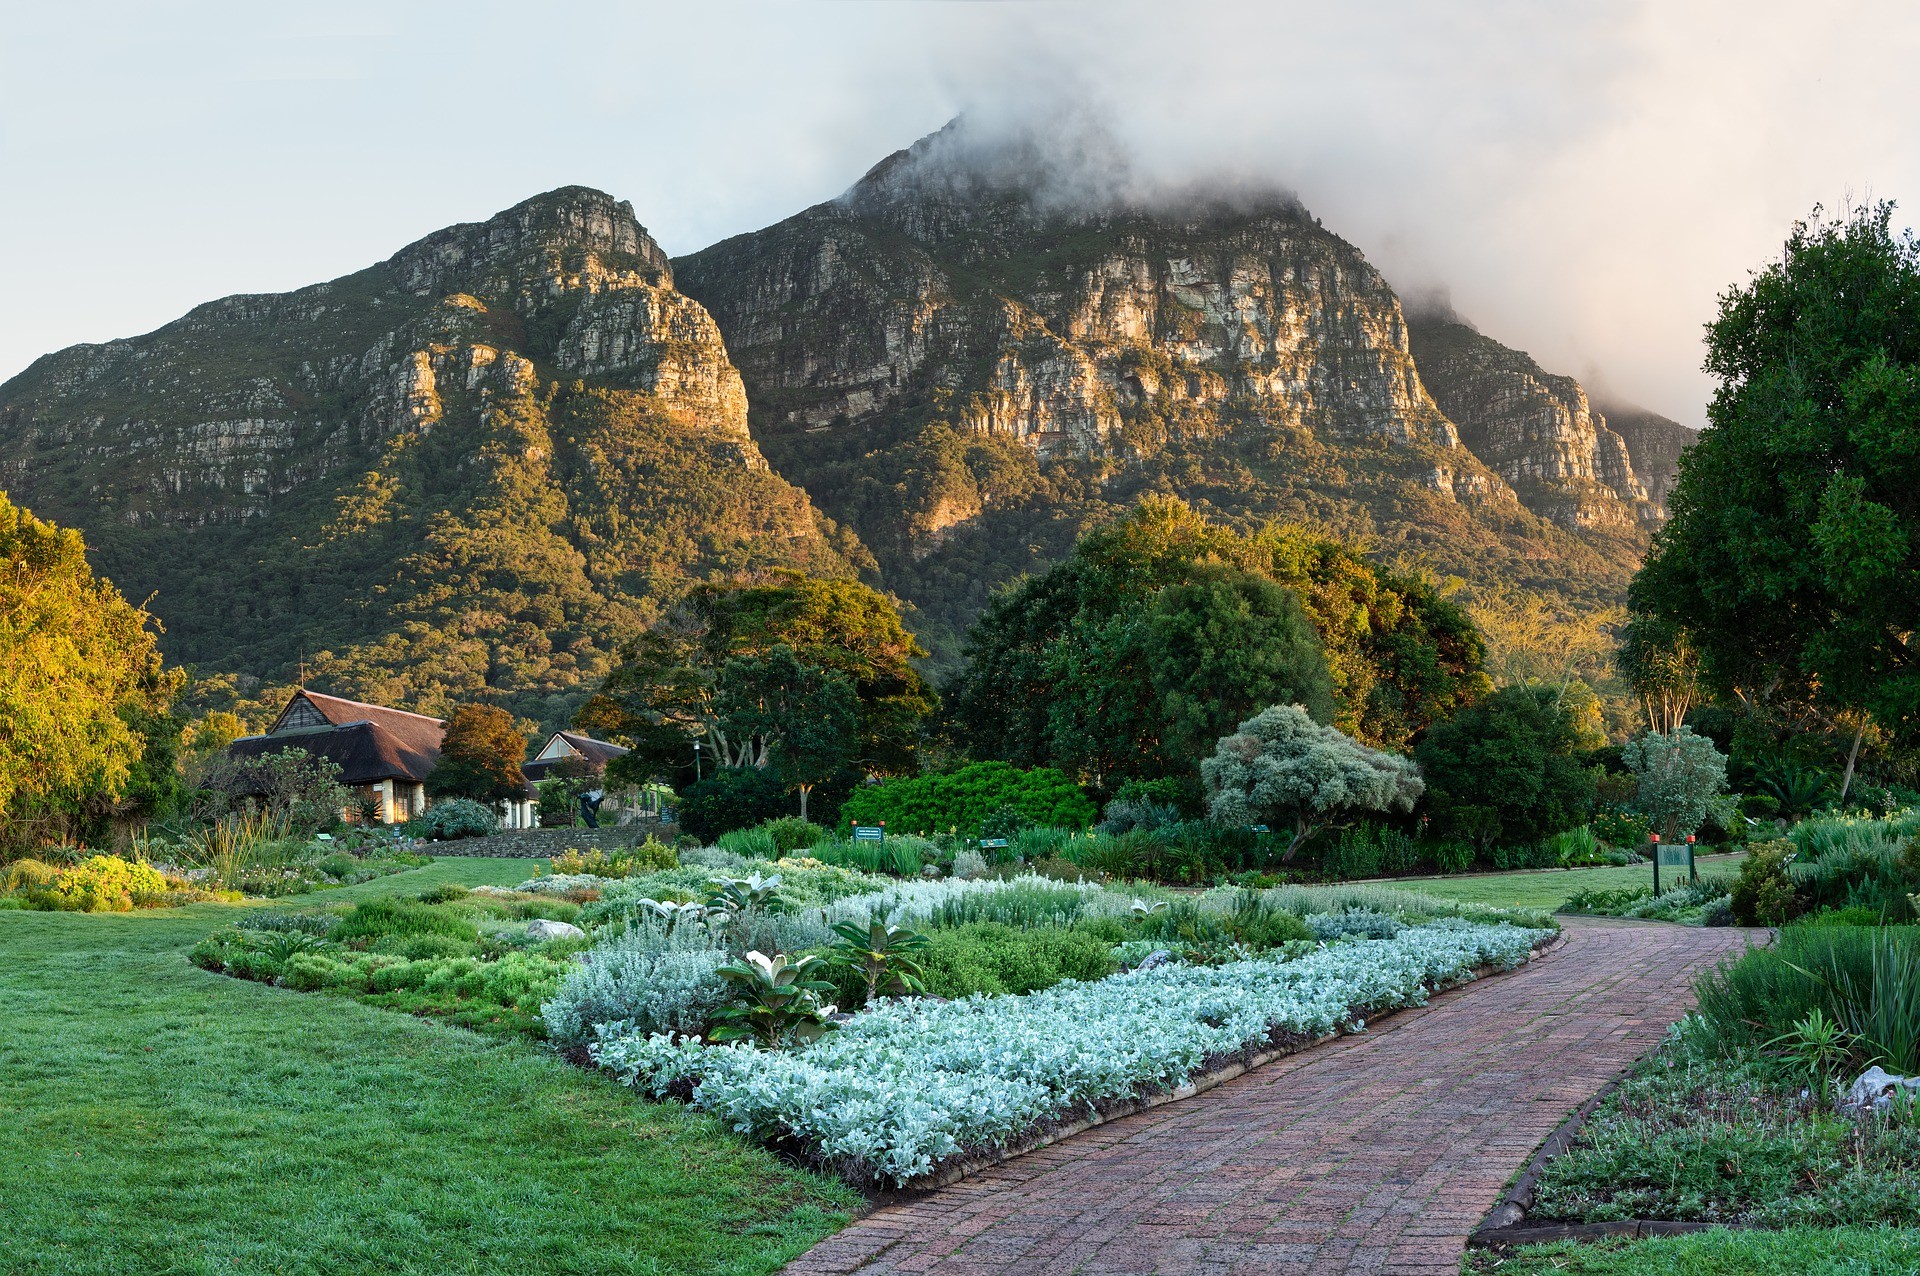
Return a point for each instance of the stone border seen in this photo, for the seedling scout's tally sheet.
(1199, 1084)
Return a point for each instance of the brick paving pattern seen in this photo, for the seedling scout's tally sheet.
(1373, 1153)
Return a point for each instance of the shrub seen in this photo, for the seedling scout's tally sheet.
(1576, 848)
(1542, 854)
(453, 818)
(731, 798)
(1763, 895)
(640, 989)
(1451, 855)
(1507, 770)
(651, 856)
(101, 884)
(375, 918)
(993, 959)
(755, 843)
(969, 866)
(1354, 923)
(790, 833)
(1867, 979)
(1280, 767)
(961, 800)
(1623, 829)
(1680, 776)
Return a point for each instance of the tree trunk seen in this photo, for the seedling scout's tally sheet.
(804, 790)
(1301, 832)
(1853, 756)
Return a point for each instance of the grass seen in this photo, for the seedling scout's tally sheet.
(1800, 1251)
(1548, 888)
(162, 1119)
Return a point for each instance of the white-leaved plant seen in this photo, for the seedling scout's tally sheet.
(1281, 767)
(913, 1083)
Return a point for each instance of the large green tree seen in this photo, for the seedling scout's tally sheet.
(795, 716)
(1163, 630)
(1507, 769)
(83, 697)
(1791, 562)
(672, 686)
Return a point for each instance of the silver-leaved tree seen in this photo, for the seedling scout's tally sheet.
(1282, 768)
(1680, 775)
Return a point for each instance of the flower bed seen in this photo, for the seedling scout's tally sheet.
(912, 1084)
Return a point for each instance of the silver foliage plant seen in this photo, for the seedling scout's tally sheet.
(1282, 767)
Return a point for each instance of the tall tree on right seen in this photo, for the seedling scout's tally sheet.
(1791, 563)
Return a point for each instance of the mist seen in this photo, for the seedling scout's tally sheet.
(1581, 181)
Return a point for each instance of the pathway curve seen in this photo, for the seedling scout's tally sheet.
(1373, 1153)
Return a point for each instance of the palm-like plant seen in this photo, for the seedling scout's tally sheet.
(735, 895)
(782, 1001)
(884, 956)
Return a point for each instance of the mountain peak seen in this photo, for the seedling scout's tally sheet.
(573, 230)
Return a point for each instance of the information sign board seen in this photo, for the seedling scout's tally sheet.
(869, 832)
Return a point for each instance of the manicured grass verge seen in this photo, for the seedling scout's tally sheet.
(1548, 888)
(1800, 1251)
(163, 1119)
(463, 871)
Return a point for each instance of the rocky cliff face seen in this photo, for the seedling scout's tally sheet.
(967, 363)
(1536, 430)
(1654, 443)
(469, 471)
(512, 436)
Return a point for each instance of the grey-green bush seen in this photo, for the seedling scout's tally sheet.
(656, 991)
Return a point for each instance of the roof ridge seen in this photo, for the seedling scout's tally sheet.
(365, 704)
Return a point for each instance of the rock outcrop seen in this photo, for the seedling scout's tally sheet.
(508, 440)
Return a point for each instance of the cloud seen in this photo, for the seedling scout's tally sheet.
(1581, 179)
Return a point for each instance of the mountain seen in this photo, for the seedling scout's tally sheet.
(968, 365)
(466, 472)
(469, 471)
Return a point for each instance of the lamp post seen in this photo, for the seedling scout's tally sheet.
(1693, 870)
(696, 762)
(1653, 840)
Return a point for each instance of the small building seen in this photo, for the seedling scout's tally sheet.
(563, 746)
(384, 755)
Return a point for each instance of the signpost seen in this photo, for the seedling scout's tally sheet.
(870, 832)
(993, 843)
(1678, 855)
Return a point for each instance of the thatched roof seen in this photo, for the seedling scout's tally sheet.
(596, 753)
(368, 742)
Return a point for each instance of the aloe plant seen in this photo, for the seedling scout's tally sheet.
(884, 956)
(782, 1001)
(735, 895)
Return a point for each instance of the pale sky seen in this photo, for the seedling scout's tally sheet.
(1583, 178)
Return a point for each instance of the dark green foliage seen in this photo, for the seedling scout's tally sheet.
(1730, 1139)
(452, 818)
(1507, 770)
(1867, 979)
(731, 664)
(1366, 849)
(993, 959)
(732, 798)
(960, 800)
(378, 918)
(1763, 895)
(1117, 663)
(1792, 560)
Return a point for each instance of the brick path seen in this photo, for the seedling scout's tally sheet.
(1375, 1153)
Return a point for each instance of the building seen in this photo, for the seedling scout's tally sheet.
(563, 746)
(384, 755)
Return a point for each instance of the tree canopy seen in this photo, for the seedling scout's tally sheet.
(789, 672)
(480, 756)
(1506, 769)
(1162, 630)
(81, 682)
(1791, 562)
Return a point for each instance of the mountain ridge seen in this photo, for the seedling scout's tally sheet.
(470, 470)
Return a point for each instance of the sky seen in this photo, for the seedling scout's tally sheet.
(1582, 179)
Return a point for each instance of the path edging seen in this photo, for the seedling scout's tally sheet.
(1197, 1085)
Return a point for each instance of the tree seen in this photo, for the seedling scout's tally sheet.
(1282, 767)
(82, 689)
(1162, 629)
(802, 715)
(1507, 768)
(1680, 774)
(1792, 557)
(663, 694)
(1659, 659)
(480, 756)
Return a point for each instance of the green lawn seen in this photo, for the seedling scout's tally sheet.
(1548, 888)
(1800, 1251)
(160, 1119)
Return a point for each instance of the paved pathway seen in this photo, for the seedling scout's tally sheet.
(1375, 1153)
